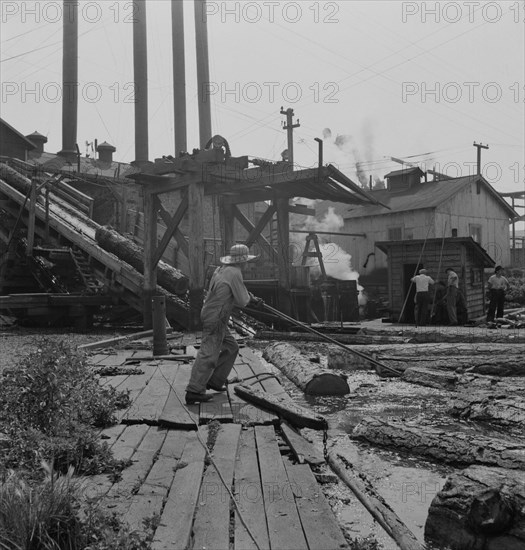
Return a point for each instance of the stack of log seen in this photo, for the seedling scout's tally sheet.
(168, 277)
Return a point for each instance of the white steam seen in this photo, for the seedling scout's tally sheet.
(337, 262)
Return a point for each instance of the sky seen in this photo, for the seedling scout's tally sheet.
(418, 81)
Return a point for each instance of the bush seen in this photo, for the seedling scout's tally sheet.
(50, 405)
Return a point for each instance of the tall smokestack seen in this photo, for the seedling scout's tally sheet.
(203, 71)
(70, 80)
(179, 76)
(140, 71)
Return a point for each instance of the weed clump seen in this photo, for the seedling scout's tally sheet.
(51, 406)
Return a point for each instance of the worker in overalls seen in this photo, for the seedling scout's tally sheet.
(219, 349)
(497, 285)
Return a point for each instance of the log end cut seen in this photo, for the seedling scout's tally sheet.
(327, 384)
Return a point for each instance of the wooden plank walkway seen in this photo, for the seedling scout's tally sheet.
(249, 495)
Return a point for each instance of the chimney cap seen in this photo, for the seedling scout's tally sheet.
(105, 146)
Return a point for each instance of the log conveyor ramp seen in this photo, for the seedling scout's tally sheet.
(70, 226)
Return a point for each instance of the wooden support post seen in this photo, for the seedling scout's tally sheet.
(47, 212)
(283, 256)
(263, 242)
(31, 222)
(196, 245)
(227, 225)
(150, 245)
(172, 224)
(160, 342)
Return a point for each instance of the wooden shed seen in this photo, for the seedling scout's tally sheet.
(464, 255)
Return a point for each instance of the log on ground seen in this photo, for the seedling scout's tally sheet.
(479, 508)
(297, 416)
(490, 406)
(374, 503)
(503, 365)
(441, 379)
(168, 277)
(308, 376)
(360, 339)
(454, 447)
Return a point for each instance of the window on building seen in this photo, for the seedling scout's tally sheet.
(395, 233)
(409, 233)
(475, 232)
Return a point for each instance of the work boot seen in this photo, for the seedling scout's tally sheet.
(192, 398)
(216, 388)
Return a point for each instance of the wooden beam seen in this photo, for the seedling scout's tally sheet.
(150, 244)
(263, 242)
(301, 209)
(32, 216)
(196, 245)
(265, 218)
(171, 226)
(227, 224)
(179, 236)
(283, 257)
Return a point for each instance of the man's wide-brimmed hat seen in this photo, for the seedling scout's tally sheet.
(239, 253)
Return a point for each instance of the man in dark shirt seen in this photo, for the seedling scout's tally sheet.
(219, 349)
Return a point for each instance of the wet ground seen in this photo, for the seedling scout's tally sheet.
(408, 484)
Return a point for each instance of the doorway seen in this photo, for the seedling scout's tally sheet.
(409, 289)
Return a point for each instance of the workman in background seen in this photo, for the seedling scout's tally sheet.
(219, 349)
(422, 298)
(452, 295)
(496, 285)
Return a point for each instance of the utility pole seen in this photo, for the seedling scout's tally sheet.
(289, 126)
(479, 146)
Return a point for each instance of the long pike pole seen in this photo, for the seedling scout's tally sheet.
(330, 339)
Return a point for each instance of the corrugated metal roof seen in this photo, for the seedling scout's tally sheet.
(422, 196)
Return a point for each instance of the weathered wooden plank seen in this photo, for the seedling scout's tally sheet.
(119, 496)
(163, 470)
(303, 450)
(174, 530)
(249, 496)
(284, 526)
(243, 412)
(149, 499)
(216, 409)
(319, 524)
(270, 384)
(128, 441)
(176, 414)
(212, 519)
(296, 415)
(149, 404)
